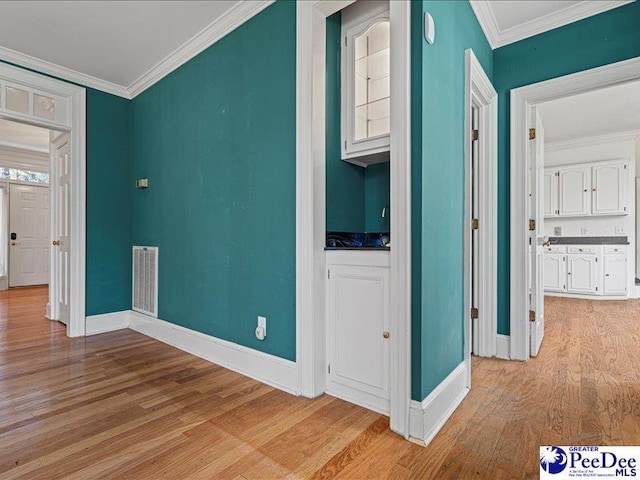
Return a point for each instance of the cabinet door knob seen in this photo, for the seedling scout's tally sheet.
(385, 334)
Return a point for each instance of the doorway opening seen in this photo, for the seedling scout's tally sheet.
(38, 101)
(573, 226)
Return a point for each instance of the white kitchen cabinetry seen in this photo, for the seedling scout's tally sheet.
(366, 86)
(575, 198)
(551, 178)
(555, 272)
(358, 328)
(609, 188)
(593, 189)
(594, 271)
(582, 273)
(615, 274)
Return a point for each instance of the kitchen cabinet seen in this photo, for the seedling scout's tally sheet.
(551, 179)
(609, 188)
(366, 86)
(593, 189)
(615, 274)
(358, 327)
(582, 273)
(575, 186)
(555, 272)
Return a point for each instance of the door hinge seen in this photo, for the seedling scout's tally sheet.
(329, 368)
(475, 134)
(532, 316)
(345, 41)
(596, 289)
(625, 209)
(625, 167)
(475, 224)
(474, 313)
(532, 225)
(329, 274)
(345, 144)
(532, 134)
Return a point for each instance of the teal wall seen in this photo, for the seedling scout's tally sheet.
(109, 188)
(355, 195)
(108, 229)
(217, 140)
(599, 40)
(345, 182)
(438, 81)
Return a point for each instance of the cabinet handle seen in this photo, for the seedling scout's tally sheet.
(585, 189)
(606, 274)
(594, 190)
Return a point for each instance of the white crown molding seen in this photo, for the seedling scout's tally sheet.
(64, 73)
(590, 141)
(223, 25)
(499, 38)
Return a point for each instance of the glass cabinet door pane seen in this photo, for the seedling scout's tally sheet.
(372, 82)
(17, 100)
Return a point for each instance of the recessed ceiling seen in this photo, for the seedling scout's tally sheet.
(26, 137)
(114, 42)
(602, 112)
(507, 21)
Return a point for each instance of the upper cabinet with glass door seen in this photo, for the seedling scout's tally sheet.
(366, 89)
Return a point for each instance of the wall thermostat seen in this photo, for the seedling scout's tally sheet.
(142, 183)
(429, 28)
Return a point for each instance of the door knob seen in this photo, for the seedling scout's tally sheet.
(385, 334)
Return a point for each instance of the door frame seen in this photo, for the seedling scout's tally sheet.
(310, 201)
(75, 102)
(522, 99)
(480, 93)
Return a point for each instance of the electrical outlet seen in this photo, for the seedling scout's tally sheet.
(261, 329)
(557, 231)
(619, 229)
(584, 231)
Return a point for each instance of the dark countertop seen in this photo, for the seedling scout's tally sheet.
(383, 249)
(589, 240)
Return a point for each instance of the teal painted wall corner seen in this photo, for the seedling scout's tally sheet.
(595, 41)
(440, 164)
(217, 140)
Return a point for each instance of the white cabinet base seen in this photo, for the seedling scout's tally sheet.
(586, 297)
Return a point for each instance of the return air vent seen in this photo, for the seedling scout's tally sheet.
(145, 280)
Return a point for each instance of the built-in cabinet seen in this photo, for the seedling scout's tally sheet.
(358, 327)
(586, 270)
(586, 190)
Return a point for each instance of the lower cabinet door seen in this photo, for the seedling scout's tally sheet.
(615, 275)
(357, 326)
(581, 274)
(555, 272)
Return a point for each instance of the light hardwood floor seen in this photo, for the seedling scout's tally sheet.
(123, 406)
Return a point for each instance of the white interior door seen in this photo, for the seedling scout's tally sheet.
(60, 174)
(536, 291)
(475, 234)
(29, 235)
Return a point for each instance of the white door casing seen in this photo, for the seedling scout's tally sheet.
(536, 287)
(69, 116)
(522, 99)
(29, 222)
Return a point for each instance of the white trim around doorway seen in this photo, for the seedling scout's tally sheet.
(310, 201)
(74, 122)
(481, 94)
(522, 99)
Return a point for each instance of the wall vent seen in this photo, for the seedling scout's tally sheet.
(145, 280)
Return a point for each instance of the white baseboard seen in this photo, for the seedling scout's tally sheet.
(426, 418)
(503, 346)
(269, 369)
(107, 322)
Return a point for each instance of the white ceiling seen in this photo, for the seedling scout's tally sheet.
(507, 21)
(18, 135)
(602, 112)
(116, 42)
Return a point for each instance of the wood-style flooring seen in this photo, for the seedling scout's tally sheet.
(123, 406)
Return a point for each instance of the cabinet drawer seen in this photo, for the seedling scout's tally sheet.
(615, 249)
(583, 249)
(555, 249)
